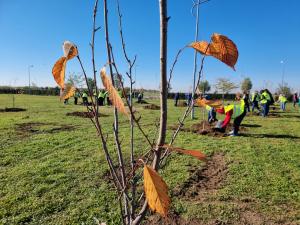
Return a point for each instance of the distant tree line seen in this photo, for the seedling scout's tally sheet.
(33, 90)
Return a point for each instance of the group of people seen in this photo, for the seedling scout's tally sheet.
(188, 98)
(260, 100)
(264, 98)
(102, 98)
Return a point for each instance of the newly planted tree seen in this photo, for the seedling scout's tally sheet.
(127, 172)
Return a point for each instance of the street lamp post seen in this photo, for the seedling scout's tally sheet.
(30, 66)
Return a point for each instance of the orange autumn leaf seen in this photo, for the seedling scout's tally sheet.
(58, 71)
(156, 191)
(197, 154)
(113, 94)
(212, 103)
(224, 49)
(220, 47)
(68, 92)
(70, 50)
(201, 46)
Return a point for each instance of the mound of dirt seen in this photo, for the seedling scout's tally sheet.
(204, 128)
(274, 115)
(152, 107)
(12, 110)
(85, 114)
(25, 129)
(142, 102)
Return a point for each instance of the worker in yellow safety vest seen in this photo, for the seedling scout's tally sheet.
(255, 98)
(235, 111)
(106, 98)
(101, 97)
(85, 98)
(265, 101)
(282, 100)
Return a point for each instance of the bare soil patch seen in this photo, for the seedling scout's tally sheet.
(205, 182)
(152, 107)
(85, 114)
(12, 110)
(204, 179)
(26, 129)
(171, 219)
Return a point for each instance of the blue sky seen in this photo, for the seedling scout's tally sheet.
(265, 31)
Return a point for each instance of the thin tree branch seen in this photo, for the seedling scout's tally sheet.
(130, 104)
(116, 125)
(93, 54)
(173, 65)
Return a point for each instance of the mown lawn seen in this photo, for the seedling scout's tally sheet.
(52, 169)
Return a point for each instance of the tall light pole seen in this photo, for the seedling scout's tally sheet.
(196, 5)
(283, 70)
(30, 66)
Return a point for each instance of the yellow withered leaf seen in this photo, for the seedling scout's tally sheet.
(58, 71)
(156, 191)
(197, 154)
(212, 103)
(113, 94)
(70, 50)
(68, 92)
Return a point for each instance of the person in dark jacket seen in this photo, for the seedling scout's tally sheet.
(295, 99)
(246, 100)
(176, 98)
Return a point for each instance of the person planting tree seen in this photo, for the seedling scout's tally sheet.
(235, 111)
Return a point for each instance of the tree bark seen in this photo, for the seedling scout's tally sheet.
(163, 81)
(163, 97)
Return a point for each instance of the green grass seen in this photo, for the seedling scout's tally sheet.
(59, 177)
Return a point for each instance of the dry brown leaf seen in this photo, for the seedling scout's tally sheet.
(156, 191)
(58, 71)
(220, 47)
(113, 93)
(70, 50)
(197, 154)
(212, 103)
(68, 92)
